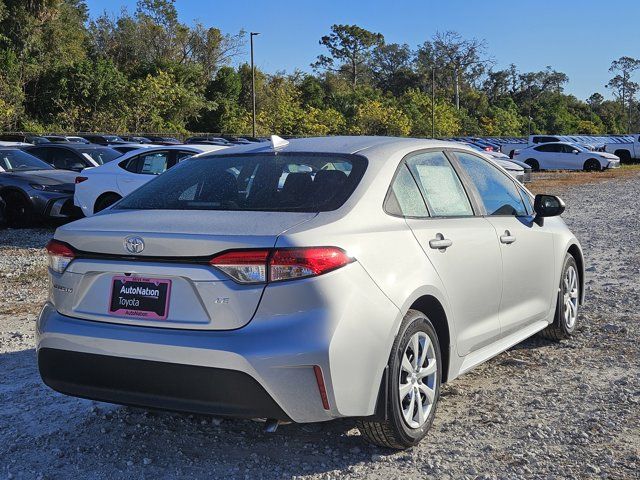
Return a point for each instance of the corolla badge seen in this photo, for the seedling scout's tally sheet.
(134, 244)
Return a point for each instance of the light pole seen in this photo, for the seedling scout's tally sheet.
(433, 101)
(253, 82)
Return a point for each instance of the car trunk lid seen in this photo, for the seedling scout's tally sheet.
(106, 280)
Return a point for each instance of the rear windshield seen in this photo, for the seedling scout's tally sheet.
(284, 182)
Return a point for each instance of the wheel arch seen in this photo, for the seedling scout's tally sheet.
(592, 160)
(435, 312)
(13, 189)
(102, 196)
(576, 253)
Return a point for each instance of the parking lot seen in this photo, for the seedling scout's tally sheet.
(540, 410)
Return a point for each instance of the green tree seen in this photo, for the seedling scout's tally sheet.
(350, 48)
(392, 68)
(158, 103)
(623, 88)
(417, 107)
(377, 118)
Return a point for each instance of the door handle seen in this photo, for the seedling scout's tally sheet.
(507, 237)
(440, 243)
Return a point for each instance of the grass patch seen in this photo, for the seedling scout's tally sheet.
(552, 181)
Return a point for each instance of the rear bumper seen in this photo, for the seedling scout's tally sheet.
(340, 322)
(162, 385)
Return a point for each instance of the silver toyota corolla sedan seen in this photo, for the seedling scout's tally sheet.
(306, 281)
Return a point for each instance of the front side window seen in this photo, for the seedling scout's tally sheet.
(440, 185)
(498, 192)
(404, 198)
(66, 160)
(294, 182)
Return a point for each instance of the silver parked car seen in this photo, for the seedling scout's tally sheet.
(307, 281)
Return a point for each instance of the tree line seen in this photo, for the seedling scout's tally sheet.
(145, 71)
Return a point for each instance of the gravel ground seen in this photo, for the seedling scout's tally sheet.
(540, 410)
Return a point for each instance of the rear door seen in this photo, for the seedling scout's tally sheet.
(461, 246)
(526, 248)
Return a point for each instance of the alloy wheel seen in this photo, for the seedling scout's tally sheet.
(417, 380)
(570, 296)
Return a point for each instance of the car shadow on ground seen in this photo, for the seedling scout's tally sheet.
(85, 434)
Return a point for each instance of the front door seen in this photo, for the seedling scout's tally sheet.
(526, 248)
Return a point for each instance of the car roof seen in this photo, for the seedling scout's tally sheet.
(194, 148)
(72, 145)
(373, 146)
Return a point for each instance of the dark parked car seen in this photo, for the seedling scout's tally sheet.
(135, 139)
(23, 137)
(3, 218)
(161, 140)
(32, 190)
(208, 141)
(236, 140)
(73, 156)
(128, 147)
(57, 139)
(66, 139)
(103, 139)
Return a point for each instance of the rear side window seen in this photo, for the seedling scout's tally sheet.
(499, 193)
(152, 163)
(404, 198)
(440, 185)
(182, 154)
(293, 182)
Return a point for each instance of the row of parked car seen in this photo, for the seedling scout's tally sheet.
(39, 174)
(63, 177)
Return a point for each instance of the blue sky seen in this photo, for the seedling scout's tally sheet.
(577, 37)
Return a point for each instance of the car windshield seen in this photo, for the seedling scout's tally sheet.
(101, 155)
(261, 182)
(17, 160)
(579, 147)
(113, 138)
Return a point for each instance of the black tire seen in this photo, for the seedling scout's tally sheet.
(18, 210)
(623, 155)
(105, 201)
(560, 329)
(592, 165)
(394, 432)
(535, 166)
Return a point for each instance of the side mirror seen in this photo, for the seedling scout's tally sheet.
(575, 151)
(547, 206)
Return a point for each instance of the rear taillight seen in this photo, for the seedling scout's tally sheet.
(244, 266)
(275, 265)
(81, 179)
(289, 263)
(60, 255)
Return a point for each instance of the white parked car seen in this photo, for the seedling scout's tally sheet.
(377, 270)
(515, 169)
(565, 156)
(100, 187)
